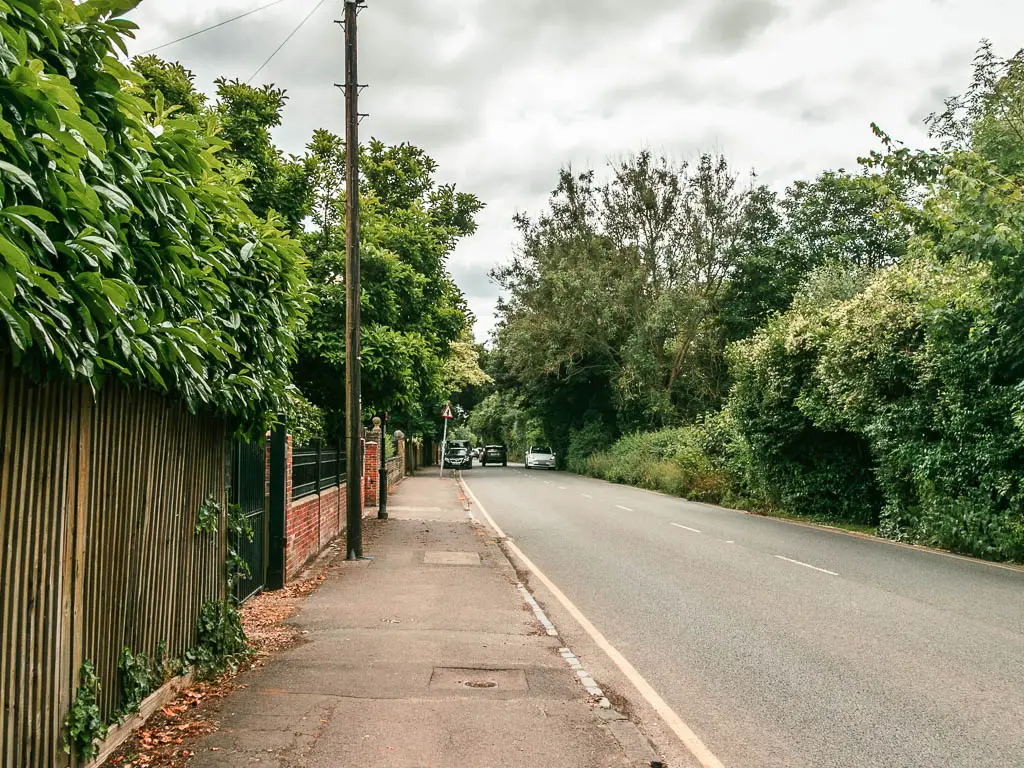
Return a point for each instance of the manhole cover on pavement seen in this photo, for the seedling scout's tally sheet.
(461, 678)
(451, 558)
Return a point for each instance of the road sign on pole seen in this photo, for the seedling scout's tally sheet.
(444, 440)
(447, 412)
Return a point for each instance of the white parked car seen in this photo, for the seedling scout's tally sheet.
(540, 456)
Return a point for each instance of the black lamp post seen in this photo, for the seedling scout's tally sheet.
(382, 482)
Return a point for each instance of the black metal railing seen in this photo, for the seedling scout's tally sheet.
(248, 491)
(315, 467)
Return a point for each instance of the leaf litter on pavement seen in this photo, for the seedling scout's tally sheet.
(168, 738)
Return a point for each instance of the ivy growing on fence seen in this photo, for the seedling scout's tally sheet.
(221, 641)
(126, 246)
(138, 679)
(84, 726)
(208, 516)
(239, 531)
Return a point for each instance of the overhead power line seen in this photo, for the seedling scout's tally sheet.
(212, 26)
(285, 41)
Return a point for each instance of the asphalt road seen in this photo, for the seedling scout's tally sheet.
(781, 644)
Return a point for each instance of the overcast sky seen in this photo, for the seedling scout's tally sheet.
(503, 92)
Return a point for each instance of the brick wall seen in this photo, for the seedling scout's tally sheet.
(371, 472)
(311, 523)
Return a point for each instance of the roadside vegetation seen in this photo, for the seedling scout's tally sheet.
(153, 236)
(847, 350)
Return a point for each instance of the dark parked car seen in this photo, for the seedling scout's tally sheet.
(458, 457)
(494, 454)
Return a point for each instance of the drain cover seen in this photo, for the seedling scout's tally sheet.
(454, 679)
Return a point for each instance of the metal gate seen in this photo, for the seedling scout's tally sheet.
(249, 492)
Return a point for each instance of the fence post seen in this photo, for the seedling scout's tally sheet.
(278, 507)
(319, 458)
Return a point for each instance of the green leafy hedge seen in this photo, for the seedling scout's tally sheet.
(894, 408)
(670, 460)
(813, 467)
(126, 246)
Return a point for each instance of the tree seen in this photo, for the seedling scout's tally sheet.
(173, 81)
(852, 221)
(462, 367)
(989, 117)
(325, 162)
(275, 183)
(612, 301)
(414, 348)
(128, 248)
(468, 397)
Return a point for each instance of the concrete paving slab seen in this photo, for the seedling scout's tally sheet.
(451, 558)
(455, 599)
(481, 734)
(407, 642)
(427, 498)
(389, 647)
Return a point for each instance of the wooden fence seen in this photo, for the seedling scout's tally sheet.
(98, 550)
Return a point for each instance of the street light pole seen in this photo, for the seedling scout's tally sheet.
(382, 482)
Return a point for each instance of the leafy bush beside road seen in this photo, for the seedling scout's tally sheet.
(128, 249)
(850, 350)
(670, 460)
(877, 410)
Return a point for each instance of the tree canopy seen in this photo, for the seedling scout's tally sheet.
(128, 248)
(851, 349)
(414, 351)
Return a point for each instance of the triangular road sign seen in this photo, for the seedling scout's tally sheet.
(447, 412)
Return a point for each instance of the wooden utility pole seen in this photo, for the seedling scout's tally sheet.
(353, 398)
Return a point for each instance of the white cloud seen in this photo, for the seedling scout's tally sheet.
(503, 94)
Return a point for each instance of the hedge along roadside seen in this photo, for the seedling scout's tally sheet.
(127, 248)
(898, 368)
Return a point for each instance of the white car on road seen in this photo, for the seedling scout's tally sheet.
(540, 456)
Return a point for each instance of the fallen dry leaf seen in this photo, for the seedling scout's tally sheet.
(193, 714)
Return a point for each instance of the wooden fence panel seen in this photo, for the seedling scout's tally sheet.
(37, 457)
(98, 549)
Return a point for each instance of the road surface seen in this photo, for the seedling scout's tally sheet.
(781, 644)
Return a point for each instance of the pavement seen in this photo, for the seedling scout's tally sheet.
(776, 643)
(429, 655)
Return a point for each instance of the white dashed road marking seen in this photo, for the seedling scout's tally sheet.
(685, 527)
(807, 565)
(622, 507)
(586, 496)
(690, 739)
